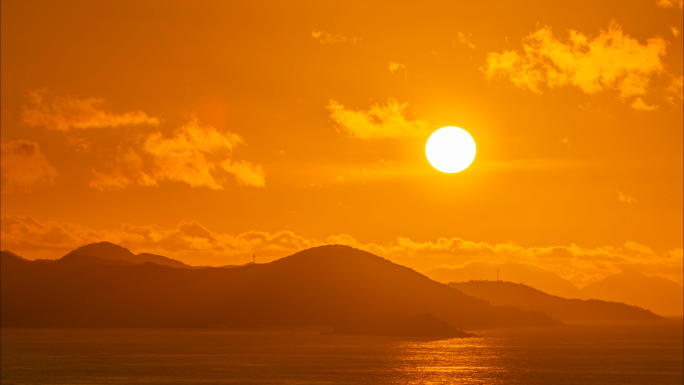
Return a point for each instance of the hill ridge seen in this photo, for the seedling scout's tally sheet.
(325, 285)
(502, 293)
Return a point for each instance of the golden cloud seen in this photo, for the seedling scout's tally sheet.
(197, 155)
(67, 113)
(193, 243)
(670, 3)
(245, 173)
(674, 90)
(328, 38)
(79, 144)
(378, 122)
(127, 169)
(640, 105)
(611, 60)
(394, 66)
(24, 167)
(189, 241)
(463, 39)
(626, 198)
(186, 157)
(577, 264)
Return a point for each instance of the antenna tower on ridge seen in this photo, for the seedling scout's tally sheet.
(497, 274)
(253, 258)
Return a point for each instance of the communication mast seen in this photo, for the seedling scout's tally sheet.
(254, 258)
(497, 274)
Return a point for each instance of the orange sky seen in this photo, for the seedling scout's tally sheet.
(206, 131)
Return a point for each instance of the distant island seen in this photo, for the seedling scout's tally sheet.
(499, 293)
(659, 295)
(518, 272)
(328, 285)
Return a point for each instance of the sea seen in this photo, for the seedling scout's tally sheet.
(627, 353)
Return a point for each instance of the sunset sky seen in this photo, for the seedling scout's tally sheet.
(207, 131)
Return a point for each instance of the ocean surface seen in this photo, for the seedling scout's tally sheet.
(589, 354)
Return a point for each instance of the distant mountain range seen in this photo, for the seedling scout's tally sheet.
(659, 295)
(329, 285)
(499, 293)
(106, 250)
(529, 274)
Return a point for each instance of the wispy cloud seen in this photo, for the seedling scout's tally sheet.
(675, 31)
(67, 113)
(126, 169)
(675, 89)
(189, 241)
(196, 154)
(245, 173)
(463, 39)
(24, 167)
(611, 60)
(640, 105)
(327, 38)
(578, 264)
(670, 3)
(79, 144)
(378, 122)
(193, 243)
(625, 198)
(394, 66)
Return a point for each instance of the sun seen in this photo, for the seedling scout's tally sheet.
(450, 149)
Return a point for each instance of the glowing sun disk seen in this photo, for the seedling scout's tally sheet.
(450, 149)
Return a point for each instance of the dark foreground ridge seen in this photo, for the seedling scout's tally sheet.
(501, 293)
(328, 285)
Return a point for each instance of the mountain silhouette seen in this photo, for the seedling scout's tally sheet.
(327, 285)
(501, 293)
(106, 250)
(529, 274)
(659, 295)
(10, 255)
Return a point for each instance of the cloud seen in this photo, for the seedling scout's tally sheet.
(462, 39)
(670, 3)
(189, 242)
(197, 155)
(79, 144)
(24, 167)
(394, 66)
(328, 38)
(675, 31)
(611, 60)
(245, 173)
(127, 170)
(67, 113)
(626, 198)
(577, 264)
(674, 90)
(378, 122)
(195, 244)
(639, 105)
(186, 157)
(644, 250)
